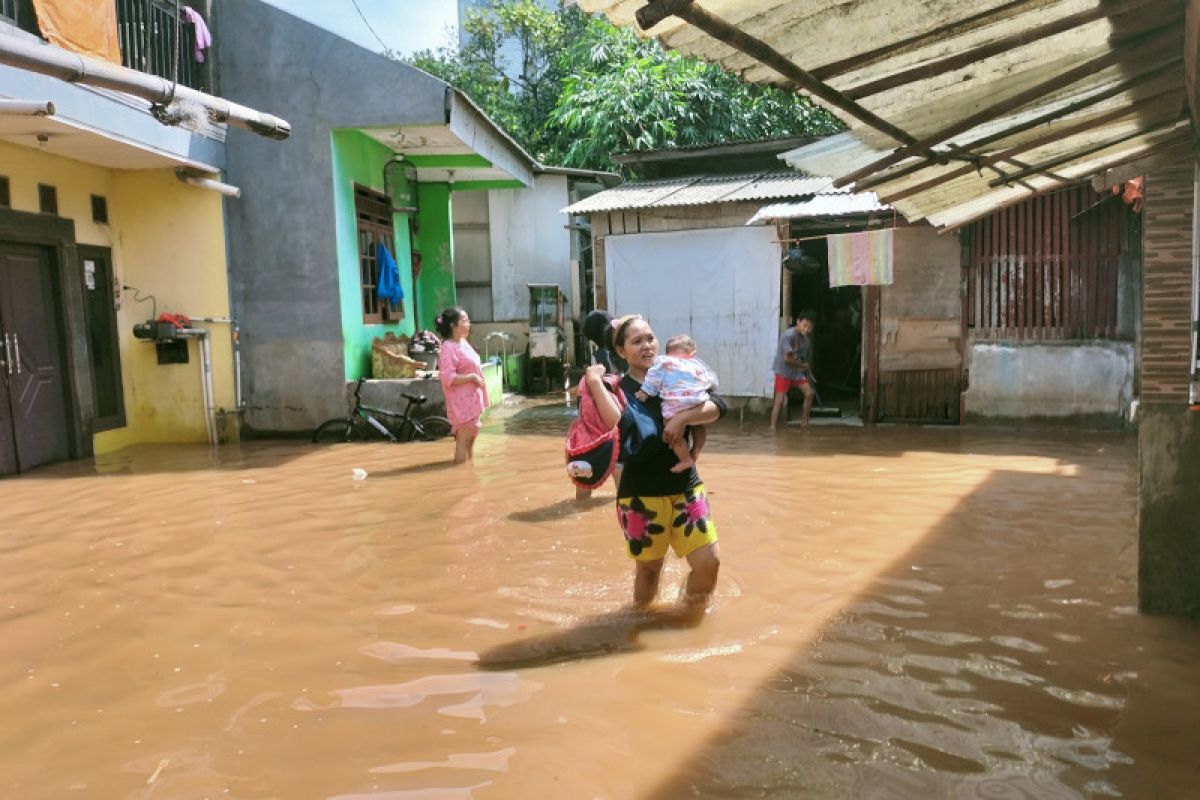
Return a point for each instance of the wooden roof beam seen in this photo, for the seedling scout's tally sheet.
(1167, 144)
(1007, 155)
(980, 20)
(656, 11)
(1042, 89)
(994, 47)
(1083, 153)
(967, 151)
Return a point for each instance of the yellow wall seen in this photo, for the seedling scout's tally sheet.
(168, 240)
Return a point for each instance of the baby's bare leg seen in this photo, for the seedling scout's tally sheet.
(699, 436)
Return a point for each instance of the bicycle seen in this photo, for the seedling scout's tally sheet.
(367, 422)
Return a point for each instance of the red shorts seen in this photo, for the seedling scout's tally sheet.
(782, 384)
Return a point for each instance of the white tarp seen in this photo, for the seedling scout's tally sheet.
(719, 285)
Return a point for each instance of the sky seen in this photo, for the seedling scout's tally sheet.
(403, 25)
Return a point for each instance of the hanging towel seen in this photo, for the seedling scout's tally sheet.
(860, 259)
(389, 287)
(81, 26)
(203, 35)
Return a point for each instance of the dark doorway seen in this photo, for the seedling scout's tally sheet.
(838, 318)
(97, 281)
(33, 413)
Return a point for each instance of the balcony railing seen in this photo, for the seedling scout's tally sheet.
(146, 29)
(19, 13)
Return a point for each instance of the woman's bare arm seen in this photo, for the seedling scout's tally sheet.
(606, 404)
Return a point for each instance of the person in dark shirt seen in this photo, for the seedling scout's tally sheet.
(657, 508)
(793, 368)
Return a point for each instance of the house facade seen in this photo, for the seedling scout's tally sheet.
(381, 153)
(108, 218)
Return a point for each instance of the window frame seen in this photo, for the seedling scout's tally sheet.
(373, 225)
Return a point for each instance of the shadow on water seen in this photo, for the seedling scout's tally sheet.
(563, 508)
(593, 637)
(1000, 657)
(415, 469)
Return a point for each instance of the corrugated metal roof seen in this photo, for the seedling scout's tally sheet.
(950, 66)
(704, 190)
(830, 205)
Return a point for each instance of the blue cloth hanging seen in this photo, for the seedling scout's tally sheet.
(389, 287)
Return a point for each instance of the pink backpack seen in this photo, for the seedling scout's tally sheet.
(592, 448)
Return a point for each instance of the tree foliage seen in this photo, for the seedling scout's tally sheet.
(575, 90)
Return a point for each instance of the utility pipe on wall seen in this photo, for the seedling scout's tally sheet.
(208, 183)
(235, 341)
(27, 108)
(47, 59)
(206, 379)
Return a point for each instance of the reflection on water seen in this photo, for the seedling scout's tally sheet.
(902, 613)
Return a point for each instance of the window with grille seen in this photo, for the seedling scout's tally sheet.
(374, 212)
(1048, 268)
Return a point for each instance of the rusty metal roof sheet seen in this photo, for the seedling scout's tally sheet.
(703, 190)
(1095, 83)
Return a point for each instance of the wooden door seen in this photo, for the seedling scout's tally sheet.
(34, 376)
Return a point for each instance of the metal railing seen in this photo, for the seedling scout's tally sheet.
(19, 13)
(146, 29)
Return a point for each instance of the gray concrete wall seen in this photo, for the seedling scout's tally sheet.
(282, 245)
(1089, 384)
(1169, 510)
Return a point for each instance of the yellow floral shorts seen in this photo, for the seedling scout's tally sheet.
(651, 524)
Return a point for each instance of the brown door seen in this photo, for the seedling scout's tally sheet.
(37, 408)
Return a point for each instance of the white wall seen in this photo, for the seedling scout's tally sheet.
(720, 285)
(529, 242)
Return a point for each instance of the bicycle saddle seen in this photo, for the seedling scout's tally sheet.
(415, 399)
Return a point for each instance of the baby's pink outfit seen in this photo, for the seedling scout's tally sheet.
(465, 402)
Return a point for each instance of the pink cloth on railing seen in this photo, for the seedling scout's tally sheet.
(203, 34)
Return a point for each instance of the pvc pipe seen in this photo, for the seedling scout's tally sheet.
(235, 336)
(27, 108)
(49, 60)
(206, 380)
(208, 183)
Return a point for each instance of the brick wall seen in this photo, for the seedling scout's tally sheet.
(1167, 299)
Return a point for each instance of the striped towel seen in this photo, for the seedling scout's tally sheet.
(860, 259)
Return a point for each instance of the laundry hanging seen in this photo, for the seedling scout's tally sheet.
(389, 287)
(81, 26)
(203, 34)
(860, 259)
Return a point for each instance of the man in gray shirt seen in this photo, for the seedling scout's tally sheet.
(793, 368)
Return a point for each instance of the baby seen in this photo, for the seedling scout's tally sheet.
(682, 381)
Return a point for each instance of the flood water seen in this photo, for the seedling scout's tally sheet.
(902, 613)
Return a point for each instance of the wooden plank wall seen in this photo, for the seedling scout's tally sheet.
(656, 220)
(1167, 294)
(920, 331)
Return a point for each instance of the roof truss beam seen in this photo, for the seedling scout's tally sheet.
(1165, 33)
(992, 48)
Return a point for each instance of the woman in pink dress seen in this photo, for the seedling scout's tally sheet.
(462, 380)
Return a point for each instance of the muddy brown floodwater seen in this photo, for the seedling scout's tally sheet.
(902, 613)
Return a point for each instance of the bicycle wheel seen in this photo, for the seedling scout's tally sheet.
(337, 430)
(426, 429)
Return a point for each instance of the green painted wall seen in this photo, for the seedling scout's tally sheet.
(435, 242)
(358, 158)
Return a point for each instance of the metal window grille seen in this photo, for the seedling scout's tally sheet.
(1047, 268)
(146, 29)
